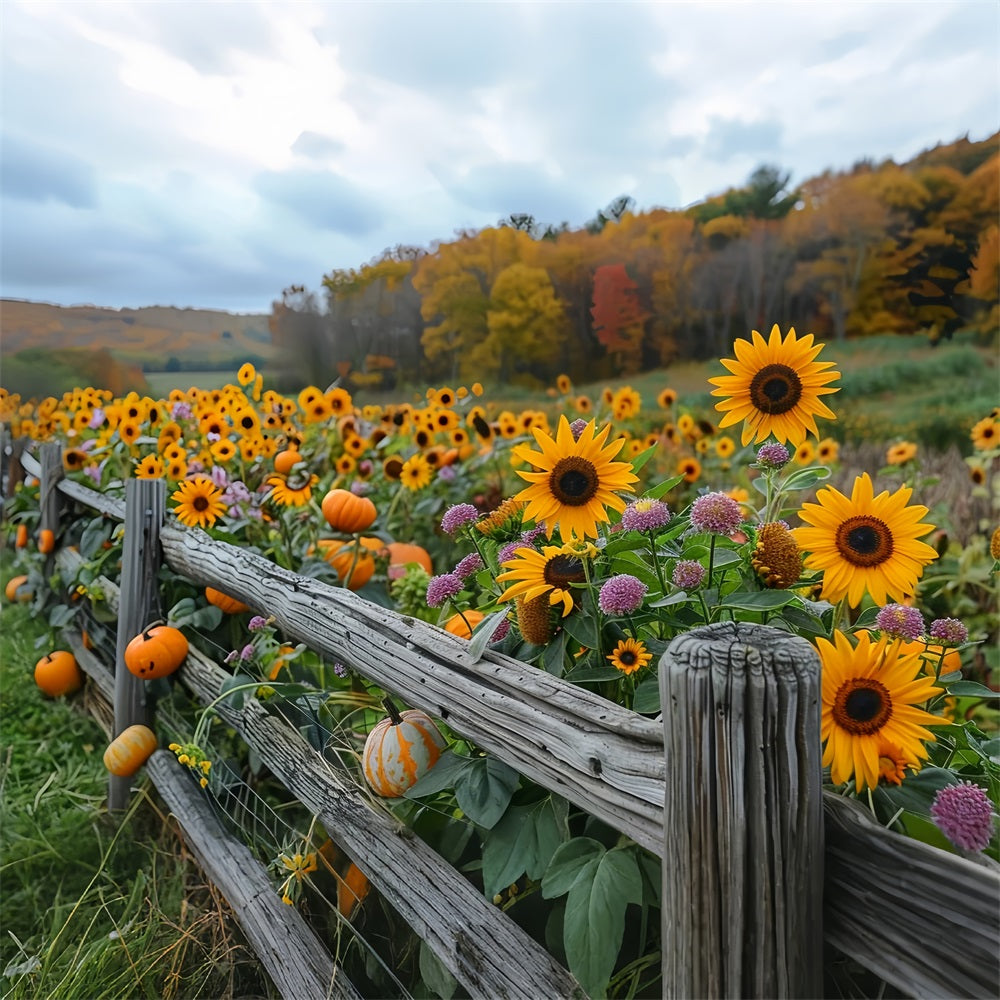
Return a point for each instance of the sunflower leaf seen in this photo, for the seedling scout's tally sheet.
(762, 600)
(665, 487)
(971, 689)
(805, 479)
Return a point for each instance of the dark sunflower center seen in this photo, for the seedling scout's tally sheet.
(862, 706)
(574, 481)
(200, 503)
(627, 658)
(864, 540)
(560, 571)
(775, 389)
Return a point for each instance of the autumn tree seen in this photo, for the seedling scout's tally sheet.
(617, 315)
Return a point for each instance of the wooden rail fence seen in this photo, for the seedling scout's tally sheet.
(760, 866)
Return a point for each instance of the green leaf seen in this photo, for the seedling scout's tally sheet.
(236, 699)
(483, 633)
(643, 457)
(972, 689)
(761, 600)
(581, 627)
(94, 536)
(647, 696)
(523, 843)
(663, 488)
(61, 615)
(595, 918)
(805, 479)
(677, 598)
(991, 749)
(442, 775)
(484, 788)
(725, 557)
(572, 861)
(554, 654)
(592, 675)
(435, 974)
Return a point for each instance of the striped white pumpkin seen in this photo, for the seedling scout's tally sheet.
(400, 750)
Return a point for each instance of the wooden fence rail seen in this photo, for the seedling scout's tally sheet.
(611, 763)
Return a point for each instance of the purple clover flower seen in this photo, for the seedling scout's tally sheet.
(500, 632)
(246, 653)
(508, 551)
(231, 657)
(96, 418)
(472, 563)
(963, 813)
(447, 473)
(772, 456)
(528, 537)
(716, 513)
(949, 631)
(219, 477)
(257, 623)
(441, 588)
(360, 488)
(688, 574)
(180, 411)
(621, 595)
(900, 622)
(578, 427)
(457, 516)
(645, 514)
(340, 670)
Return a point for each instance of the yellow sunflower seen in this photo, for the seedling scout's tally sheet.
(828, 450)
(870, 696)
(986, 434)
(629, 656)
(865, 542)
(246, 374)
(551, 571)
(290, 492)
(199, 502)
(689, 468)
(775, 387)
(151, 467)
(575, 479)
(900, 453)
(666, 398)
(415, 473)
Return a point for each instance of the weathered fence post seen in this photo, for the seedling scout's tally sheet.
(743, 819)
(145, 500)
(49, 500)
(13, 473)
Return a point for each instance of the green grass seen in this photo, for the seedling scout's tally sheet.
(95, 905)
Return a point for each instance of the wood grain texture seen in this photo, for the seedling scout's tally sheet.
(602, 757)
(138, 604)
(743, 827)
(295, 958)
(489, 955)
(924, 920)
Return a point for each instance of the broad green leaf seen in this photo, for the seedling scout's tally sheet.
(991, 749)
(663, 488)
(572, 861)
(483, 633)
(761, 600)
(592, 675)
(523, 843)
(484, 788)
(676, 598)
(581, 627)
(805, 479)
(61, 615)
(643, 457)
(435, 974)
(442, 775)
(594, 924)
(972, 689)
(647, 696)
(94, 536)
(554, 654)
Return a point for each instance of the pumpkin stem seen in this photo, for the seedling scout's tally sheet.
(394, 714)
(153, 624)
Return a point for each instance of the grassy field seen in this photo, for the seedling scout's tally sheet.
(95, 905)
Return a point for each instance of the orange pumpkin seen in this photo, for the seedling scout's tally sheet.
(342, 556)
(402, 553)
(130, 750)
(58, 674)
(156, 652)
(462, 627)
(284, 460)
(21, 536)
(230, 605)
(400, 750)
(14, 584)
(46, 541)
(347, 512)
(352, 887)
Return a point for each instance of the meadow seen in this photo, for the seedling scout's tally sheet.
(109, 907)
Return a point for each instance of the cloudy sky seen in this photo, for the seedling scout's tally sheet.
(210, 154)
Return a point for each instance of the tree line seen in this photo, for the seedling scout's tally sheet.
(879, 248)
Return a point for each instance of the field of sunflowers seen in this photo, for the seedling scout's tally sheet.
(580, 537)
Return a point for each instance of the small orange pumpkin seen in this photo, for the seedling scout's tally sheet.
(342, 556)
(21, 536)
(352, 887)
(14, 584)
(129, 750)
(462, 627)
(156, 652)
(347, 512)
(46, 541)
(402, 553)
(400, 750)
(228, 604)
(284, 460)
(58, 674)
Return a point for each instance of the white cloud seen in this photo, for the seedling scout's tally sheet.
(210, 154)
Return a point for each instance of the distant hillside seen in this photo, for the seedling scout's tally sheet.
(156, 338)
